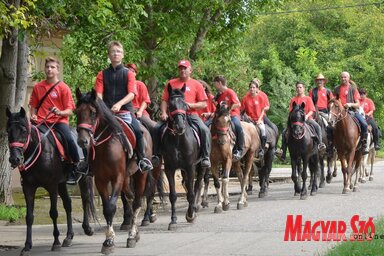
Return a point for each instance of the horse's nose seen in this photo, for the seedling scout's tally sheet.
(15, 161)
(83, 143)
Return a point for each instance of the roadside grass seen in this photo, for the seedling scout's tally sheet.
(12, 213)
(366, 248)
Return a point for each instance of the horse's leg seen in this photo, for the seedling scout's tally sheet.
(140, 180)
(204, 196)
(200, 173)
(127, 210)
(334, 174)
(216, 183)
(53, 213)
(294, 176)
(67, 203)
(262, 181)
(372, 160)
(225, 180)
(89, 210)
(172, 196)
(304, 175)
(344, 169)
(149, 215)
(29, 195)
(190, 177)
(357, 169)
(322, 176)
(247, 169)
(314, 169)
(250, 179)
(329, 166)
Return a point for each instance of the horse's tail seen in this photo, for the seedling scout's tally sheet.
(87, 195)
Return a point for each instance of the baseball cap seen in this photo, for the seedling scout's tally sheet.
(132, 66)
(184, 63)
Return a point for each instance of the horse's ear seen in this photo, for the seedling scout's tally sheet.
(8, 112)
(169, 88)
(22, 112)
(294, 105)
(183, 88)
(302, 105)
(78, 93)
(93, 95)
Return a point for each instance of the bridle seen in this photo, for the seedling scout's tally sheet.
(220, 132)
(299, 124)
(173, 114)
(339, 115)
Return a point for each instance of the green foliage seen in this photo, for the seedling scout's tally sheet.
(355, 248)
(15, 17)
(11, 213)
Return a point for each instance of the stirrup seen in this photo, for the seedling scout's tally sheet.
(82, 167)
(145, 163)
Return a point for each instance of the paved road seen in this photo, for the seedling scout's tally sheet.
(256, 230)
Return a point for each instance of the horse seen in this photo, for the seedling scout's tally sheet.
(180, 149)
(110, 156)
(303, 151)
(321, 119)
(367, 159)
(41, 165)
(346, 140)
(221, 156)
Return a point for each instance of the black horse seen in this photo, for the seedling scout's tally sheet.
(181, 150)
(303, 151)
(40, 165)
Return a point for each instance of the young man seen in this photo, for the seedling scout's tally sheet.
(196, 98)
(369, 107)
(255, 105)
(349, 96)
(116, 85)
(308, 109)
(55, 108)
(227, 95)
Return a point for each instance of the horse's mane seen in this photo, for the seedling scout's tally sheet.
(104, 113)
(295, 109)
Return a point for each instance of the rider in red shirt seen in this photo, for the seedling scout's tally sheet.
(369, 107)
(55, 110)
(207, 113)
(309, 109)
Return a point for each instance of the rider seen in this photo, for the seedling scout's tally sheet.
(254, 105)
(349, 96)
(229, 97)
(116, 86)
(195, 98)
(207, 113)
(308, 109)
(369, 107)
(141, 100)
(55, 109)
(320, 97)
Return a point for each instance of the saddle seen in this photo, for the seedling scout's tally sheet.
(128, 131)
(195, 129)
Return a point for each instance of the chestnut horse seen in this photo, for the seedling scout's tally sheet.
(111, 161)
(180, 149)
(346, 140)
(40, 165)
(221, 156)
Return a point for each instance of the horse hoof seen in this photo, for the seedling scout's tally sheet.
(334, 174)
(153, 218)
(370, 178)
(240, 206)
(346, 191)
(56, 247)
(204, 204)
(303, 197)
(249, 192)
(246, 204)
(313, 193)
(143, 223)
(218, 209)
(322, 184)
(226, 206)
(198, 208)
(356, 189)
(131, 243)
(328, 179)
(363, 181)
(359, 180)
(124, 227)
(67, 242)
(25, 253)
(296, 194)
(172, 226)
(261, 194)
(351, 186)
(190, 219)
(106, 250)
(309, 187)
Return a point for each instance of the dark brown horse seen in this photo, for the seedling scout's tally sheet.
(40, 165)
(345, 139)
(181, 150)
(111, 161)
(221, 156)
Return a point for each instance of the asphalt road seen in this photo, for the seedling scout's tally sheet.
(256, 230)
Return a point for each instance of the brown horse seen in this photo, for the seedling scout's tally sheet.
(345, 139)
(111, 160)
(221, 156)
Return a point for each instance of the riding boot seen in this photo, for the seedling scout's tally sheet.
(238, 152)
(73, 176)
(143, 162)
(157, 130)
(283, 151)
(263, 141)
(376, 141)
(364, 145)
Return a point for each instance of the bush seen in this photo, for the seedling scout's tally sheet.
(12, 213)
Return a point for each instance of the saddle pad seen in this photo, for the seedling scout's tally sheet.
(55, 138)
(128, 132)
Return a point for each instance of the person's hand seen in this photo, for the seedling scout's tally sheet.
(34, 118)
(206, 115)
(139, 114)
(347, 105)
(163, 116)
(56, 111)
(116, 108)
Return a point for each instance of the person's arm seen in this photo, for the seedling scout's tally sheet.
(143, 107)
(197, 105)
(117, 106)
(235, 105)
(32, 113)
(308, 115)
(163, 110)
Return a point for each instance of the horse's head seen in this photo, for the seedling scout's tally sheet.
(86, 112)
(221, 123)
(337, 112)
(19, 131)
(177, 109)
(296, 120)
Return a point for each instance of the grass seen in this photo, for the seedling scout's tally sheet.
(366, 248)
(12, 213)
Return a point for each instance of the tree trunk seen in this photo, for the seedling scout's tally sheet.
(8, 77)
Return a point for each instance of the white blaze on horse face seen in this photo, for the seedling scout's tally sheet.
(227, 119)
